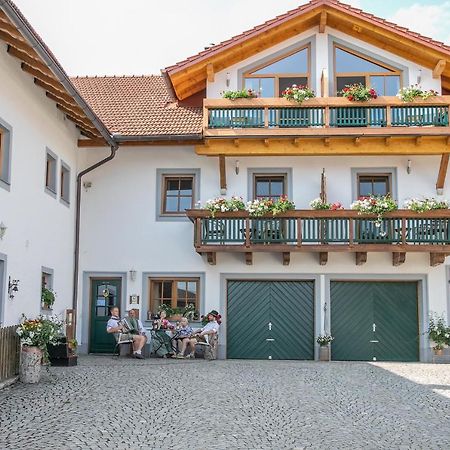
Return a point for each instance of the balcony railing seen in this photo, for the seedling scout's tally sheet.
(322, 231)
(280, 114)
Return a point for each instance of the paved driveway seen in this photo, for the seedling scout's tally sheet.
(165, 404)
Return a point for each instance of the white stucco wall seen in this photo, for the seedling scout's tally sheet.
(321, 60)
(40, 228)
(120, 231)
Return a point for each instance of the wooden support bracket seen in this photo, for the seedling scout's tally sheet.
(211, 258)
(440, 183)
(248, 258)
(437, 258)
(360, 258)
(323, 258)
(398, 258)
(223, 174)
(439, 68)
(210, 73)
(286, 258)
(326, 142)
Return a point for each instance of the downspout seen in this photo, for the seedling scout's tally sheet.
(114, 149)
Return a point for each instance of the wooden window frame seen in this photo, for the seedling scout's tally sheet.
(174, 290)
(374, 174)
(277, 76)
(164, 179)
(269, 175)
(392, 70)
(2, 153)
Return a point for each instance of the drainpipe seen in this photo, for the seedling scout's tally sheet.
(114, 149)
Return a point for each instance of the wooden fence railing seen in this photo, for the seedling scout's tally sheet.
(9, 352)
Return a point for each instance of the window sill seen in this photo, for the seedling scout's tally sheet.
(50, 192)
(172, 218)
(64, 202)
(6, 185)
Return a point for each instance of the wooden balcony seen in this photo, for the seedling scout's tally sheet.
(322, 232)
(332, 116)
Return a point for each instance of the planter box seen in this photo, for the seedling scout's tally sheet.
(61, 355)
(324, 353)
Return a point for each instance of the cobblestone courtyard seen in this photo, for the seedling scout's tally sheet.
(165, 404)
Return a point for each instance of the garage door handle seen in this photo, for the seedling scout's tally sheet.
(270, 340)
(374, 342)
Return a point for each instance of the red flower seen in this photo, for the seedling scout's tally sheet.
(350, 97)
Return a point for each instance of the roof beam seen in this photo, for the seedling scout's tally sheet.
(323, 21)
(43, 77)
(80, 120)
(27, 58)
(55, 92)
(439, 68)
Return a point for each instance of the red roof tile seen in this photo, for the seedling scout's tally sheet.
(138, 106)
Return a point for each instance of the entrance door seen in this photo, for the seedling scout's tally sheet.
(105, 293)
(374, 321)
(270, 320)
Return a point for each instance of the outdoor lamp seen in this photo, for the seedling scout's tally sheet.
(132, 275)
(13, 287)
(3, 228)
(408, 167)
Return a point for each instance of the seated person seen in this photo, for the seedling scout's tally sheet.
(160, 326)
(115, 326)
(210, 329)
(184, 334)
(134, 325)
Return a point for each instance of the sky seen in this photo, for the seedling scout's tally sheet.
(135, 37)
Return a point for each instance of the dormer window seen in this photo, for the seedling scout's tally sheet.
(353, 68)
(272, 78)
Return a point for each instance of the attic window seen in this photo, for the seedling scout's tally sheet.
(272, 78)
(353, 68)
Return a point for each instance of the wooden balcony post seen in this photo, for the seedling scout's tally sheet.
(327, 116)
(299, 232)
(205, 118)
(350, 231)
(388, 116)
(247, 232)
(198, 232)
(266, 117)
(403, 230)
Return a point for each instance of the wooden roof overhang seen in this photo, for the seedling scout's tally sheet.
(36, 59)
(190, 76)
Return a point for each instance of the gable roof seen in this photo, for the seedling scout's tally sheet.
(190, 75)
(24, 43)
(139, 106)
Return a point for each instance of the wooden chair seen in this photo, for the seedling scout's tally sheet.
(210, 346)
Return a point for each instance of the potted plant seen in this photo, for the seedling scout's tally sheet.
(35, 335)
(324, 340)
(358, 93)
(375, 204)
(426, 204)
(415, 92)
(176, 314)
(48, 297)
(439, 333)
(190, 312)
(298, 93)
(243, 93)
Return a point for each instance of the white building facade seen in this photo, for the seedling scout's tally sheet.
(137, 244)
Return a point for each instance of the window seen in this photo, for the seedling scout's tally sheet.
(174, 292)
(5, 155)
(47, 283)
(353, 68)
(50, 172)
(64, 183)
(374, 184)
(272, 78)
(178, 194)
(269, 186)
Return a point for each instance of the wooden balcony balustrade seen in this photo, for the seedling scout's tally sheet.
(333, 116)
(321, 232)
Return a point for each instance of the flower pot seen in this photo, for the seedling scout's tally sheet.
(324, 353)
(30, 364)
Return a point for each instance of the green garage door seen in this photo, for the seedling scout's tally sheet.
(374, 321)
(270, 320)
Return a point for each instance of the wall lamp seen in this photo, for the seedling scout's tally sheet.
(236, 167)
(133, 275)
(408, 167)
(228, 79)
(3, 229)
(13, 287)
